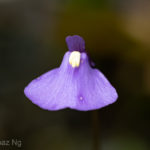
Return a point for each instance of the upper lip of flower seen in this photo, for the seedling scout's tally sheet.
(75, 43)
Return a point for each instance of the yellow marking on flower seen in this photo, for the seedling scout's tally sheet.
(74, 59)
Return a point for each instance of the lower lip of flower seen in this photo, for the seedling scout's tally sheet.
(74, 59)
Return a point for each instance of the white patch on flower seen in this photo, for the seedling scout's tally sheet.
(81, 98)
(74, 59)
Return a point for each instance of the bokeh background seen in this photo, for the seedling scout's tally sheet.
(32, 41)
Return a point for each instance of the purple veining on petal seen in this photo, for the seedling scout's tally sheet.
(75, 43)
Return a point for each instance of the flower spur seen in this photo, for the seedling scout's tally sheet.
(74, 84)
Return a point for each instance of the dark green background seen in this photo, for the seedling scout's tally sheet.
(32, 41)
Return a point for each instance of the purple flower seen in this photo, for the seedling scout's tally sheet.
(74, 84)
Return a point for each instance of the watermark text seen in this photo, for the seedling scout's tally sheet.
(11, 142)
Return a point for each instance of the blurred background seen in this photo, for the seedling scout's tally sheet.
(32, 41)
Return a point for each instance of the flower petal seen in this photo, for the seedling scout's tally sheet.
(81, 88)
(94, 90)
(51, 90)
(75, 43)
